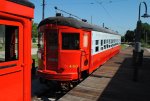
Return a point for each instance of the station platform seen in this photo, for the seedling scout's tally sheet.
(114, 81)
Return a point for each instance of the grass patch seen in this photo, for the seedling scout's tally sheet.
(123, 46)
(34, 45)
(1, 49)
(145, 45)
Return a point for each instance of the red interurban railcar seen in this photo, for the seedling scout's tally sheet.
(15, 50)
(70, 49)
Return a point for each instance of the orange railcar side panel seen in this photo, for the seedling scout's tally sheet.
(13, 8)
(27, 61)
(15, 75)
(102, 57)
(11, 84)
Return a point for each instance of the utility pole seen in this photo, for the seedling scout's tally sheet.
(91, 19)
(103, 25)
(138, 51)
(146, 38)
(43, 10)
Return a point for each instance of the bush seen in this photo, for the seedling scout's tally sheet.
(34, 40)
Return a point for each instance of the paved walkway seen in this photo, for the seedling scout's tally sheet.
(148, 49)
(114, 81)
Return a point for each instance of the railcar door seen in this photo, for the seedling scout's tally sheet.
(11, 61)
(70, 53)
(51, 49)
(85, 51)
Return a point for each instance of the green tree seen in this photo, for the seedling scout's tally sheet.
(122, 38)
(34, 30)
(129, 36)
(145, 32)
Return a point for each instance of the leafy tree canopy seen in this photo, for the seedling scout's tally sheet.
(34, 30)
(130, 35)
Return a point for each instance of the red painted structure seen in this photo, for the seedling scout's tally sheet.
(69, 48)
(15, 50)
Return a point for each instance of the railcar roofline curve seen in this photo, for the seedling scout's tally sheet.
(23, 2)
(72, 22)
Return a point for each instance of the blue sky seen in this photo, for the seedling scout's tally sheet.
(118, 15)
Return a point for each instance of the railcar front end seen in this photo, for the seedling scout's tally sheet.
(61, 52)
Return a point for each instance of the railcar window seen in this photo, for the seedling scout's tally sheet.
(104, 46)
(96, 45)
(8, 43)
(41, 40)
(107, 46)
(85, 40)
(96, 42)
(52, 40)
(101, 42)
(96, 49)
(70, 41)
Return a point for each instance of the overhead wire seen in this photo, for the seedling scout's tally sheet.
(101, 2)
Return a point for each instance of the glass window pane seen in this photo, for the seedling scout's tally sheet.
(52, 40)
(96, 42)
(85, 40)
(8, 43)
(41, 40)
(96, 49)
(70, 41)
(101, 42)
(2, 43)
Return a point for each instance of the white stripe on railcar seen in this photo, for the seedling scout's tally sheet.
(96, 45)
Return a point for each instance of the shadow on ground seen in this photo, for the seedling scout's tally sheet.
(123, 88)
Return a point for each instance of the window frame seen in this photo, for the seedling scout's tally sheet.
(77, 33)
(96, 42)
(20, 42)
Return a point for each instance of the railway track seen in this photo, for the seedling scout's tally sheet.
(49, 91)
(45, 92)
